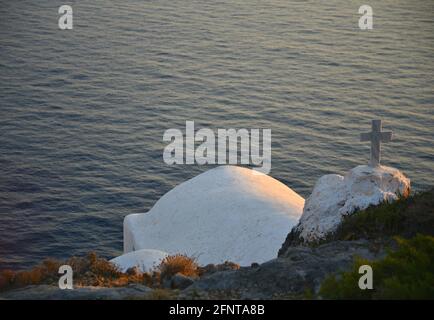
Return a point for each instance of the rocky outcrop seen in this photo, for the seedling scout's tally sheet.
(298, 270)
(335, 196)
(178, 281)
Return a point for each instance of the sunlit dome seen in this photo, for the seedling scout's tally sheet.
(227, 213)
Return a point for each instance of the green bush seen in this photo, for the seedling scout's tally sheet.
(407, 273)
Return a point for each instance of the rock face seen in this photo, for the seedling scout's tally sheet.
(179, 281)
(335, 196)
(298, 269)
(47, 292)
(227, 213)
(145, 260)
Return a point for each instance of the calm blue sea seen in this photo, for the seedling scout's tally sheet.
(82, 112)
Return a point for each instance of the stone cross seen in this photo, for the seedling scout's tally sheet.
(376, 136)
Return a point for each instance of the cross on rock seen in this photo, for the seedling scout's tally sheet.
(376, 136)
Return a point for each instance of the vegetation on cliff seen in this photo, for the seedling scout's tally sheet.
(407, 273)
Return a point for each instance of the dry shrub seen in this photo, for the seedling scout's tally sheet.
(7, 277)
(25, 278)
(43, 273)
(92, 270)
(95, 271)
(212, 268)
(178, 263)
(88, 271)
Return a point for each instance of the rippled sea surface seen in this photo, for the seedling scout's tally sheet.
(82, 112)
